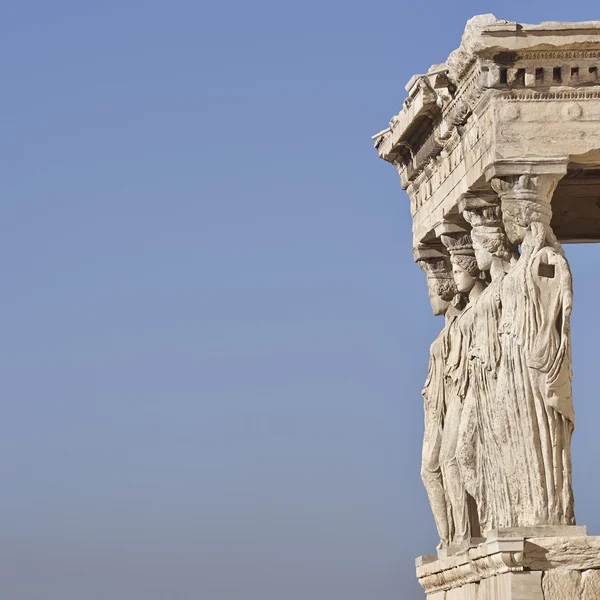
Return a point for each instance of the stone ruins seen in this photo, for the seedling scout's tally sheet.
(498, 149)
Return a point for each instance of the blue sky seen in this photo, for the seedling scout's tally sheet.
(214, 336)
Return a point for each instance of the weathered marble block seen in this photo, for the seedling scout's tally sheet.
(549, 563)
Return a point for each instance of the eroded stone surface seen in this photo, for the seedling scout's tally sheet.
(534, 532)
(467, 592)
(580, 553)
(590, 585)
(515, 567)
(561, 585)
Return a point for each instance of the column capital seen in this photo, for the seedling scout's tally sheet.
(456, 238)
(526, 199)
(425, 252)
(527, 166)
(478, 199)
(535, 188)
(435, 262)
(449, 228)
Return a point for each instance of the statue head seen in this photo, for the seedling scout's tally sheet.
(488, 235)
(518, 215)
(440, 283)
(462, 257)
(525, 200)
(465, 272)
(441, 293)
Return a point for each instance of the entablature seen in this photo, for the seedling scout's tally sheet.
(509, 92)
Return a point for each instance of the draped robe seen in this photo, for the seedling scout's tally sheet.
(478, 452)
(457, 384)
(434, 396)
(533, 412)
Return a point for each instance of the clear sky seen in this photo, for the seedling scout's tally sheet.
(214, 336)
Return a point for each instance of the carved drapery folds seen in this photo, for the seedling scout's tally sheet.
(498, 404)
(442, 294)
(534, 377)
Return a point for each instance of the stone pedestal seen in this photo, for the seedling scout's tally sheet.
(549, 563)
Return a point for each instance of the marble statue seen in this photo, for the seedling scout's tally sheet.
(498, 149)
(442, 292)
(480, 457)
(534, 415)
(467, 278)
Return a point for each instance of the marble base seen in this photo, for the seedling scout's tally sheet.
(546, 563)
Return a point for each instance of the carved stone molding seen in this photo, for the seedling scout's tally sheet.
(525, 198)
(478, 199)
(526, 187)
(509, 91)
(510, 554)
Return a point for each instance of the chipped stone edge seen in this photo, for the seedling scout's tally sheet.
(506, 555)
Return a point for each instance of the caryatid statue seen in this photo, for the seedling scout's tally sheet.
(534, 417)
(478, 451)
(468, 280)
(480, 144)
(442, 292)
